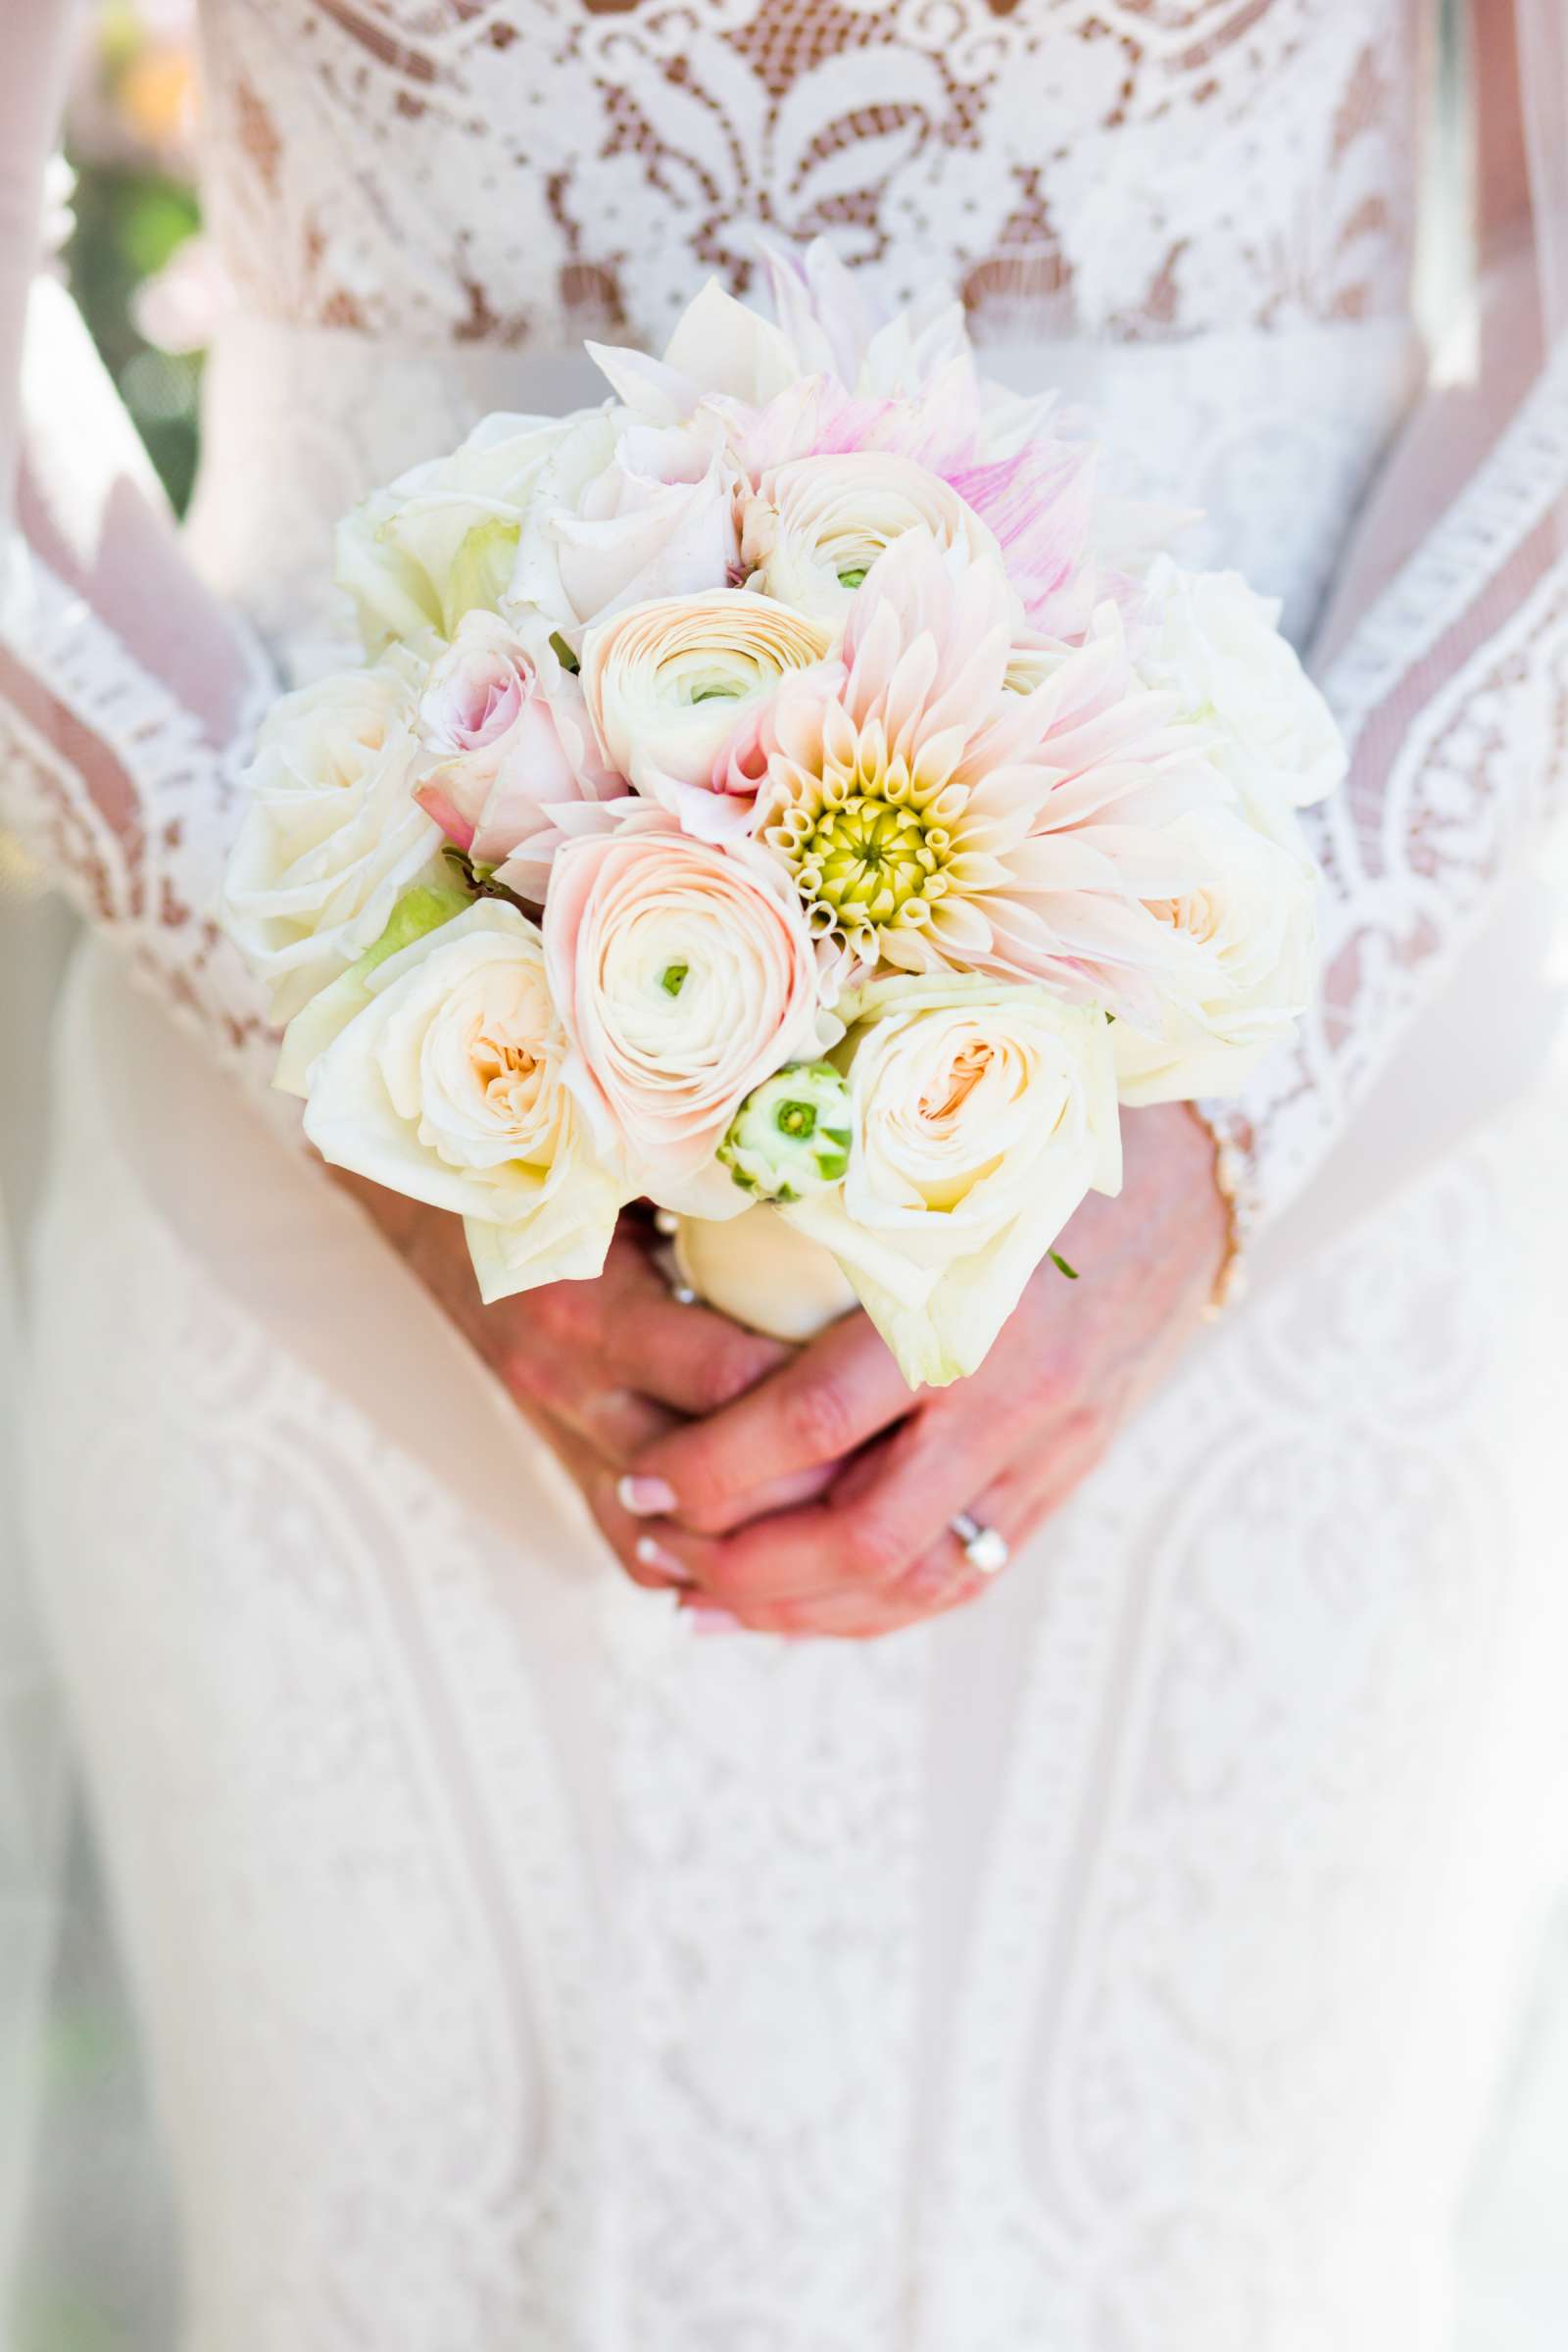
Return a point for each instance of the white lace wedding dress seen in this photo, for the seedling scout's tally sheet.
(1120, 1966)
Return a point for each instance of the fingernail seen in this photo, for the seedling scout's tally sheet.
(706, 1619)
(651, 1553)
(645, 1497)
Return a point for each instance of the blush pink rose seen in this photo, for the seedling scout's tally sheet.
(506, 740)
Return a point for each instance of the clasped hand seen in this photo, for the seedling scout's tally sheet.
(806, 1491)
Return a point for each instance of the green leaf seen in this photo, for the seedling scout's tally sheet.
(1062, 1265)
(419, 910)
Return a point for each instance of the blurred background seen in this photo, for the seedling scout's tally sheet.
(139, 266)
(99, 2236)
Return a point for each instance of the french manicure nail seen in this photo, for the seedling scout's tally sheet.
(645, 1497)
(651, 1553)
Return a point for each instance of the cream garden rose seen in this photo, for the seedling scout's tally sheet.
(685, 977)
(446, 1082)
(981, 1113)
(623, 512)
(673, 683)
(812, 529)
(331, 832)
(1253, 918)
(443, 539)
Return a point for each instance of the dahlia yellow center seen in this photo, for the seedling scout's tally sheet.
(869, 860)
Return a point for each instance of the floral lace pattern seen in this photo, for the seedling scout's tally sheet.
(527, 173)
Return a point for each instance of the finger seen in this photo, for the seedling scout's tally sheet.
(1014, 1504)
(645, 1561)
(888, 1508)
(861, 1615)
(943, 1578)
(687, 1357)
(827, 1400)
(570, 1340)
(619, 1424)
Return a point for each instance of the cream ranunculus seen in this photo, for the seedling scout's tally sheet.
(331, 834)
(812, 529)
(1209, 638)
(685, 977)
(444, 537)
(673, 684)
(446, 1084)
(507, 741)
(981, 1115)
(623, 512)
(1254, 917)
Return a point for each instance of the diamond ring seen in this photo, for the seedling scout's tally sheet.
(985, 1547)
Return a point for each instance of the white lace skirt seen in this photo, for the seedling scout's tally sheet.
(1120, 1966)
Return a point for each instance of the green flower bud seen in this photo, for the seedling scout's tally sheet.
(791, 1136)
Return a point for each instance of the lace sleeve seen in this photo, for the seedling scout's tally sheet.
(1452, 689)
(125, 692)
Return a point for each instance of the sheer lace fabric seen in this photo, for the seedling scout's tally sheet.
(529, 174)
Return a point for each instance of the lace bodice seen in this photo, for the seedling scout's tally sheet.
(520, 172)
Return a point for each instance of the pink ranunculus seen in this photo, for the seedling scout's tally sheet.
(506, 740)
(684, 974)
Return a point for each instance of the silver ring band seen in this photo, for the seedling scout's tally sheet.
(985, 1547)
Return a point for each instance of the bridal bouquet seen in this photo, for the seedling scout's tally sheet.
(792, 793)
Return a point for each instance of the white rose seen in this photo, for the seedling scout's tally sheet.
(672, 685)
(331, 834)
(623, 512)
(1254, 917)
(446, 1084)
(981, 1115)
(1209, 638)
(444, 537)
(812, 529)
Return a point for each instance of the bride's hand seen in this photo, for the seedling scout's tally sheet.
(1007, 1444)
(602, 1369)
